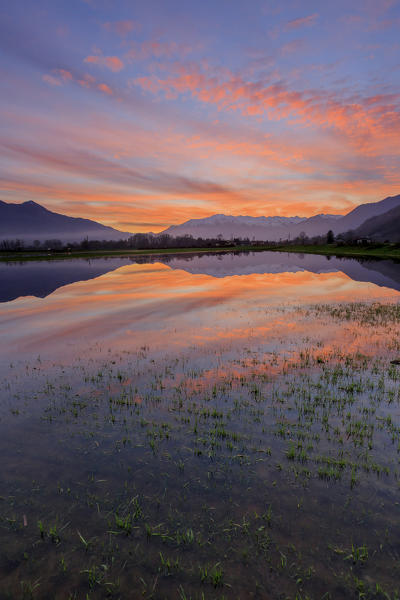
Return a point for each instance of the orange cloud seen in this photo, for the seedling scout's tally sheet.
(115, 171)
(87, 81)
(116, 205)
(113, 63)
(103, 87)
(367, 123)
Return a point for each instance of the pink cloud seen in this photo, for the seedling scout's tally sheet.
(291, 47)
(367, 123)
(51, 80)
(103, 87)
(59, 77)
(302, 22)
(228, 157)
(157, 49)
(64, 74)
(87, 81)
(373, 16)
(113, 63)
(122, 28)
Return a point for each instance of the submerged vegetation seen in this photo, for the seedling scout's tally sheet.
(269, 470)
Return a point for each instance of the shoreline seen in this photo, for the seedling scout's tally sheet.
(384, 252)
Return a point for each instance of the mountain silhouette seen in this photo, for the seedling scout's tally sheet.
(381, 227)
(30, 221)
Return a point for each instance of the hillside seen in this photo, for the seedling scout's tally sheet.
(281, 228)
(30, 221)
(381, 228)
(362, 213)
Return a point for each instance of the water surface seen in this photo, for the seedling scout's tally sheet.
(200, 427)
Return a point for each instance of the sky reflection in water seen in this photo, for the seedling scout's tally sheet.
(174, 301)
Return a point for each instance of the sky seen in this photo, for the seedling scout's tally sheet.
(144, 114)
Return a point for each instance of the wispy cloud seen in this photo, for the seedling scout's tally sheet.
(103, 87)
(122, 28)
(307, 21)
(367, 123)
(155, 48)
(178, 117)
(113, 63)
(51, 80)
(292, 47)
(58, 77)
(95, 166)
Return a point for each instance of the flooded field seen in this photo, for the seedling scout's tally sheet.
(200, 427)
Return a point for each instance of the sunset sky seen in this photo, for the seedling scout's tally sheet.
(148, 113)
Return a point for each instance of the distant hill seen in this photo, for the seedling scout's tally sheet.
(260, 228)
(281, 228)
(362, 213)
(230, 227)
(381, 228)
(30, 221)
(317, 225)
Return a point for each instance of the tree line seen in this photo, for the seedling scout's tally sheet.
(145, 241)
(138, 241)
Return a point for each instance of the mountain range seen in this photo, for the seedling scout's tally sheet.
(30, 221)
(283, 228)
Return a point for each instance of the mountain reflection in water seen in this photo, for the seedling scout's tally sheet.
(41, 279)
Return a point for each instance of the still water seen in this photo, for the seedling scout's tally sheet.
(200, 426)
